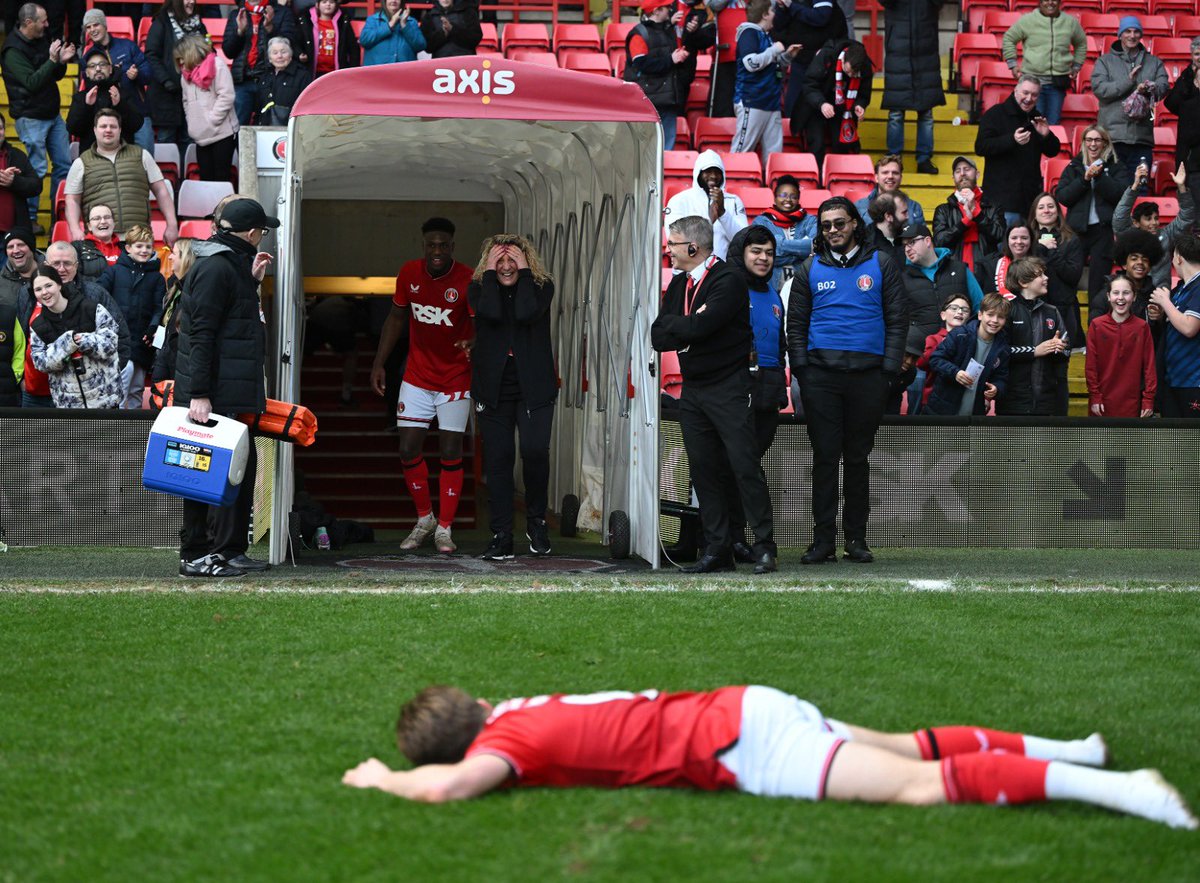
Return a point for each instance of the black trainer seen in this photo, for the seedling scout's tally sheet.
(538, 535)
(500, 548)
(250, 565)
(209, 566)
(819, 553)
(859, 552)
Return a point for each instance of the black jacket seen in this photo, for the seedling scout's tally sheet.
(949, 229)
(349, 53)
(1184, 101)
(953, 355)
(1076, 193)
(1064, 266)
(36, 95)
(164, 97)
(819, 84)
(925, 298)
(876, 240)
(1036, 386)
(25, 184)
(1014, 171)
(222, 340)
(655, 72)
(138, 290)
(464, 34)
(895, 320)
(237, 46)
(811, 27)
(281, 89)
(912, 66)
(81, 118)
(516, 319)
(714, 342)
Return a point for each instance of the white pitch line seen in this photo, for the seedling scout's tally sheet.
(935, 586)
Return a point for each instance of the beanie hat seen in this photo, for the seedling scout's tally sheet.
(95, 17)
(22, 234)
(1127, 22)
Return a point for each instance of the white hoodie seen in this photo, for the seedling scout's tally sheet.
(694, 201)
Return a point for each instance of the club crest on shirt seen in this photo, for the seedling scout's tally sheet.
(864, 282)
(414, 289)
(399, 407)
(451, 295)
(3, 337)
(1049, 324)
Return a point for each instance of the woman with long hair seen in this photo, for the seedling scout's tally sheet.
(1091, 186)
(164, 101)
(514, 384)
(167, 338)
(74, 341)
(992, 269)
(1055, 242)
(209, 105)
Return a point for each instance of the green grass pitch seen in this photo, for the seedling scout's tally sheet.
(201, 736)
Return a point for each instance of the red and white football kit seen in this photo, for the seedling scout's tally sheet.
(438, 319)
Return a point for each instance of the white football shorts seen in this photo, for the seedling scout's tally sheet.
(417, 407)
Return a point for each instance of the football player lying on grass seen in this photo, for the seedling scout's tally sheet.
(755, 739)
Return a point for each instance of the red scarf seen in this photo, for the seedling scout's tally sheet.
(785, 219)
(255, 10)
(8, 204)
(845, 95)
(971, 236)
(1001, 274)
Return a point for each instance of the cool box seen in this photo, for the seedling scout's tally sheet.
(196, 461)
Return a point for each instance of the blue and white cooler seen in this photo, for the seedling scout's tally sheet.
(197, 461)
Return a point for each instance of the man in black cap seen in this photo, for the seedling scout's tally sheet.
(968, 223)
(222, 356)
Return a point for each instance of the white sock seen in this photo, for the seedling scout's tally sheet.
(1091, 751)
(1142, 793)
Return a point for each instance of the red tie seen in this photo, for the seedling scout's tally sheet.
(689, 292)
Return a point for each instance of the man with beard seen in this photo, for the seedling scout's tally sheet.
(101, 89)
(1013, 137)
(846, 330)
(968, 223)
(130, 70)
(118, 175)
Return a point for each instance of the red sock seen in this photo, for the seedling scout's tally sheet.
(939, 742)
(416, 475)
(994, 777)
(449, 491)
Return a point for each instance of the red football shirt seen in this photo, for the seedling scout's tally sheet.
(438, 318)
(610, 740)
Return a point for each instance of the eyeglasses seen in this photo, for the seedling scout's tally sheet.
(59, 265)
(97, 65)
(671, 244)
(963, 310)
(1094, 140)
(835, 224)
(909, 243)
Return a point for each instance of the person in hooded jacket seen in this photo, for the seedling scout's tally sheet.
(792, 228)
(912, 69)
(391, 35)
(280, 85)
(220, 368)
(451, 28)
(327, 39)
(250, 28)
(708, 199)
(1128, 67)
(1040, 347)
(101, 89)
(137, 285)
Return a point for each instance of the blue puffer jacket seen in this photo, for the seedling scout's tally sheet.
(138, 290)
(385, 45)
(953, 355)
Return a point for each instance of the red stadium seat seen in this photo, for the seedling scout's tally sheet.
(1168, 207)
(195, 229)
(992, 95)
(59, 232)
(679, 163)
(983, 47)
(614, 38)
(155, 210)
(576, 36)
(801, 166)
(1099, 23)
(744, 167)
(1164, 117)
(997, 22)
(683, 134)
(535, 56)
(524, 35)
(810, 200)
(714, 133)
(1170, 7)
(1164, 145)
(1186, 24)
(1052, 170)
(756, 199)
(1164, 184)
(586, 62)
(697, 99)
(1083, 82)
(993, 73)
(357, 25)
(847, 169)
(671, 186)
(143, 30)
(1174, 51)
(854, 194)
(977, 9)
(1064, 140)
(704, 66)
(1156, 26)
(1080, 110)
(1127, 7)
(216, 30)
(60, 200)
(491, 39)
(159, 227)
(121, 26)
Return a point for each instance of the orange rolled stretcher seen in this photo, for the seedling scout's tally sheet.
(283, 421)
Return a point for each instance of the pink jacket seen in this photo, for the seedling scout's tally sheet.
(210, 114)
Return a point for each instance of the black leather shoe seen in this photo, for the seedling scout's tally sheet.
(859, 552)
(765, 563)
(249, 565)
(927, 168)
(820, 553)
(711, 564)
(743, 554)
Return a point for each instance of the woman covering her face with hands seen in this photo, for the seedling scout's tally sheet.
(513, 383)
(74, 341)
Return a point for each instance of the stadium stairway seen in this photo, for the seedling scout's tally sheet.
(353, 469)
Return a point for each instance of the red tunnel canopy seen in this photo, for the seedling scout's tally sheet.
(469, 87)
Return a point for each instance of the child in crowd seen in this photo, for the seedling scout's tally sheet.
(1121, 376)
(971, 365)
(1037, 383)
(138, 287)
(208, 105)
(956, 310)
(327, 39)
(758, 93)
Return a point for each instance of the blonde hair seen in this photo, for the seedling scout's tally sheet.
(187, 256)
(191, 50)
(1108, 154)
(540, 276)
(139, 233)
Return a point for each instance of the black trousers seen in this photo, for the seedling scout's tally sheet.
(843, 409)
(1098, 250)
(766, 422)
(719, 435)
(216, 159)
(1180, 401)
(500, 456)
(221, 530)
